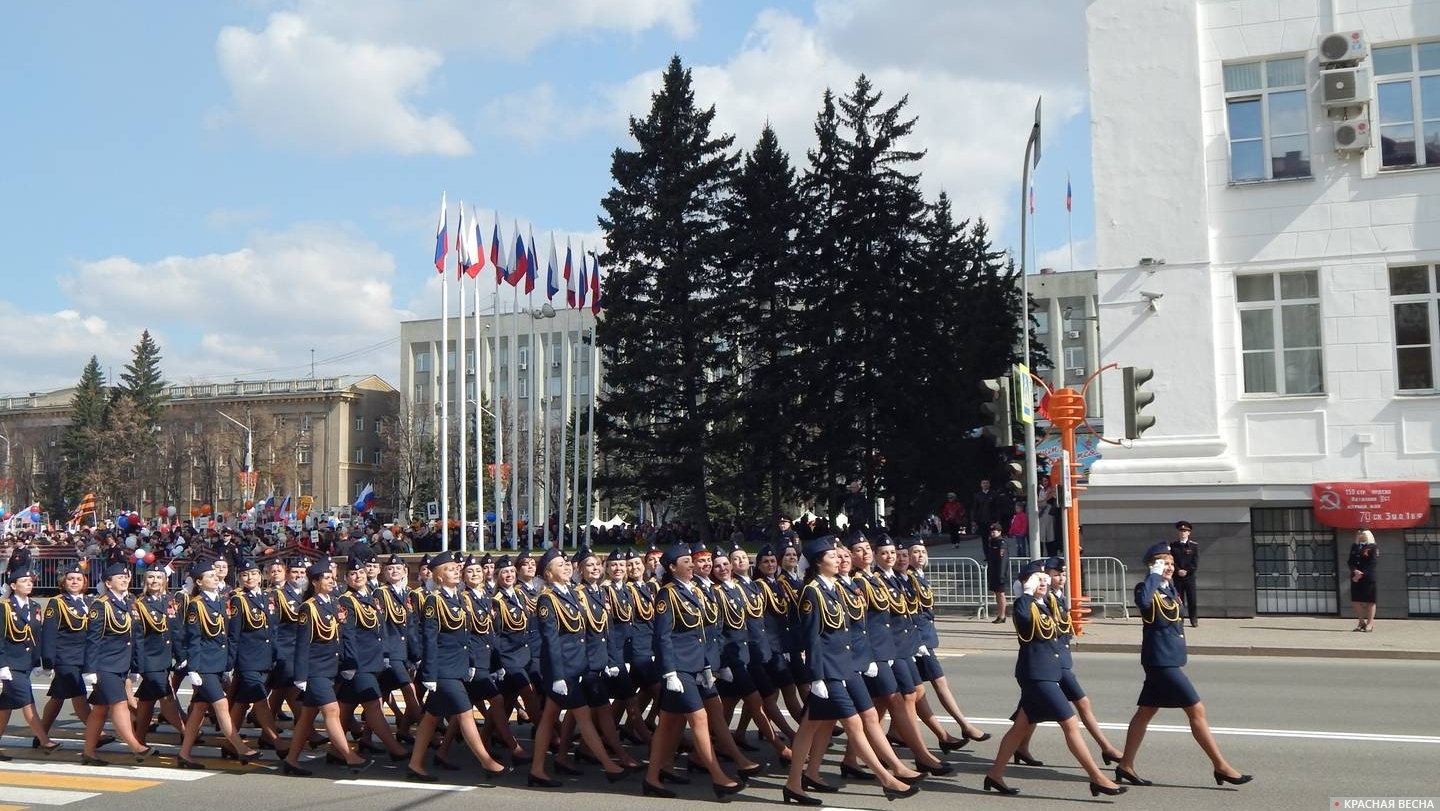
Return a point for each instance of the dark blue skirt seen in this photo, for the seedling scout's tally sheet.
(66, 683)
(846, 699)
(154, 686)
(1070, 686)
(883, 683)
(359, 690)
(1167, 687)
(16, 693)
(645, 672)
(282, 675)
(1044, 701)
(685, 702)
(760, 676)
(395, 676)
(319, 691)
(210, 689)
(929, 667)
(250, 686)
(449, 698)
(574, 697)
(779, 672)
(109, 689)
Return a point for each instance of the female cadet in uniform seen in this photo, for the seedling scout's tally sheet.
(444, 669)
(362, 657)
(207, 655)
(640, 653)
(109, 658)
(288, 599)
(837, 693)
(252, 633)
(561, 614)
(156, 642)
(401, 644)
(605, 663)
(20, 624)
(680, 646)
(480, 687)
(1057, 606)
(62, 647)
(742, 619)
(922, 600)
(513, 620)
(317, 663)
(1037, 669)
(782, 623)
(1162, 654)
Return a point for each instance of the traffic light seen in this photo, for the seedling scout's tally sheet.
(1136, 399)
(995, 409)
(1015, 473)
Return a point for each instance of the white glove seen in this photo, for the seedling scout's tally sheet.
(470, 675)
(299, 685)
(612, 671)
(5, 674)
(726, 674)
(558, 688)
(785, 657)
(1032, 583)
(347, 675)
(872, 670)
(498, 674)
(196, 680)
(817, 689)
(707, 678)
(672, 683)
(627, 667)
(429, 686)
(1158, 567)
(386, 662)
(182, 664)
(89, 679)
(924, 651)
(134, 678)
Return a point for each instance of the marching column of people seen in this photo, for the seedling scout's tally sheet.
(657, 649)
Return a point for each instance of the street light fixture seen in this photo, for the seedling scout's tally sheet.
(249, 437)
(1032, 509)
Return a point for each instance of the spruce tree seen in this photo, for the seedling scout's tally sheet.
(663, 333)
(81, 441)
(142, 381)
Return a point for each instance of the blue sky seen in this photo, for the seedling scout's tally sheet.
(254, 179)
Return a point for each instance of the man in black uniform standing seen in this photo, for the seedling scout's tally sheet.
(1187, 563)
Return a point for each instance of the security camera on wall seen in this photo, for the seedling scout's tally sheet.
(1150, 298)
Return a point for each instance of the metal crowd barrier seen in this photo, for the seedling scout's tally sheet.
(1104, 579)
(48, 571)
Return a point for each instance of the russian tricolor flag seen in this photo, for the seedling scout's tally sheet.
(595, 288)
(571, 278)
(442, 239)
(552, 271)
(532, 268)
(583, 288)
(495, 258)
(521, 260)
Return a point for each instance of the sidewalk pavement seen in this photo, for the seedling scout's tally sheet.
(1326, 637)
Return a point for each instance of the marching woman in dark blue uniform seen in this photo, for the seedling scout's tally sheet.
(513, 620)
(318, 647)
(606, 677)
(445, 667)
(478, 605)
(640, 645)
(207, 656)
(20, 626)
(681, 645)
(743, 643)
(362, 657)
(288, 599)
(564, 660)
(1038, 671)
(921, 598)
(62, 647)
(109, 659)
(156, 643)
(782, 623)
(1162, 654)
(252, 633)
(402, 643)
(837, 691)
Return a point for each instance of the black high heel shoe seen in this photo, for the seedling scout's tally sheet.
(496, 774)
(724, 793)
(356, 768)
(992, 784)
(649, 790)
(953, 744)
(86, 760)
(49, 750)
(543, 782)
(984, 736)
(1109, 758)
(792, 797)
(186, 763)
(1123, 775)
(667, 776)
(750, 771)
(893, 794)
(1096, 790)
(615, 777)
(1026, 760)
(854, 773)
(141, 756)
(816, 785)
(416, 777)
(939, 770)
(1221, 779)
(293, 771)
(444, 764)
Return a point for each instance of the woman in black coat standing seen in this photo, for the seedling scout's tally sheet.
(1364, 556)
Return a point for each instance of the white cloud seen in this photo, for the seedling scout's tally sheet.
(1060, 258)
(974, 95)
(295, 85)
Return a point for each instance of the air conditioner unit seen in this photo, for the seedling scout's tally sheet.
(1077, 370)
(1343, 47)
(1344, 87)
(524, 366)
(1072, 333)
(555, 364)
(1352, 136)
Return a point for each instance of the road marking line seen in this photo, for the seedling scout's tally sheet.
(75, 781)
(138, 772)
(40, 796)
(1368, 737)
(12, 807)
(404, 784)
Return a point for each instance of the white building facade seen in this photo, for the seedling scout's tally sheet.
(1267, 220)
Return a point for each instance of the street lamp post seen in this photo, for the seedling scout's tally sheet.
(542, 370)
(1032, 510)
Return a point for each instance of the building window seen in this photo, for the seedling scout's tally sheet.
(422, 362)
(420, 392)
(302, 455)
(1280, 332)
(305, 422)
(469, 391)
(1268, 121)
(522, 354)
(359, 456)
(279, 422)
(522, 387)
(359, 423)
(379, 458)
(1415, 302)
(1042, 322)
(450, 361)
(1407, 93)
(469, 361)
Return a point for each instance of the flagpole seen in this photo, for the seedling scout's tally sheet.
(530, 420)
(590, 428)
(499, 404)
(463, 374)
(565, 364)
(575, 491)
(444, 412)
(542, 375)
(515, 405)
(482, 368)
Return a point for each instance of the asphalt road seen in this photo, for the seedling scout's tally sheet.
(1308, 729)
